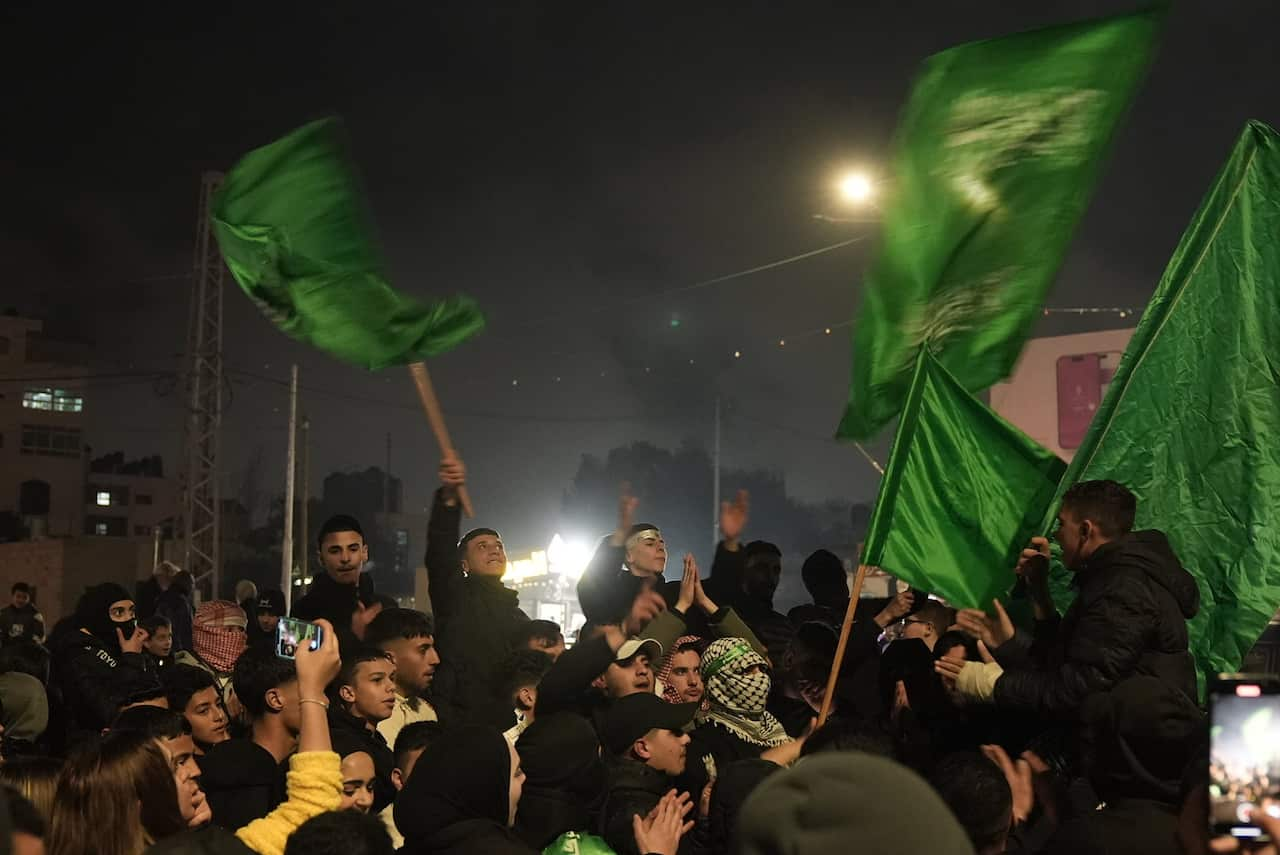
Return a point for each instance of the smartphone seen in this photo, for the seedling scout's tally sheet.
(291, 633)
(1244, 753)
(1079, 396)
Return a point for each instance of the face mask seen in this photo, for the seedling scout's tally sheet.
(126, 627)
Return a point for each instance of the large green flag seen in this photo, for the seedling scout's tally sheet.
(962, 493)
(996, 154)
(295, 234)
(1191, 421)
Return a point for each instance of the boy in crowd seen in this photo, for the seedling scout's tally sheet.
(193, 693)
(268, 610)
(363, 695)
(159, 643)
(412, 741)
(408, 637)
(245, 778)
(521, 673)
(21, 620)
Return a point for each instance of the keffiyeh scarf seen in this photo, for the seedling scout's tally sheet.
(737, 698)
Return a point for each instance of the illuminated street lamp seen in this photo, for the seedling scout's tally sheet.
(856, 188)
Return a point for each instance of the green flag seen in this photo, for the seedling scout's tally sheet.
(294, 232)
(962, 493)
(1192, 419)
(997, 151)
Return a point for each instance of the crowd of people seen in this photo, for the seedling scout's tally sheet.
(682, 720)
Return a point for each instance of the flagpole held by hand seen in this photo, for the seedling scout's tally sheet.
(836, 664)
(431, 405)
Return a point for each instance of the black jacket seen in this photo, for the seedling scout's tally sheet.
(475, 618)
(94, 679)
(1129, 617)
(606, 589)
(243, 782)
(335, 603)
(18, 625)
(1120, 828)
(634, 788)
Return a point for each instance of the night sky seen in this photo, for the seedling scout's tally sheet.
(573, 166)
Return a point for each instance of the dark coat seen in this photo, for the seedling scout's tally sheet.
(243, 782)
(1120, 828)
(606, 589)
(350, 735)
(475, 618)
(95, 679)
(1129, 617)
(634, 788)
(176, 606)
(335, 603)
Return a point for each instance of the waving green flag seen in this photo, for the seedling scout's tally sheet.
(295, 234)
(962, 493)
(996, 155)
(1191, 420)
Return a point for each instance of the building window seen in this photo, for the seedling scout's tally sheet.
(55, 400)
(100, 528)
(50, 441)
(142, 499)
(104, 498)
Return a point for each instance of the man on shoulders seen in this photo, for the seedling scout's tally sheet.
(1129, 616)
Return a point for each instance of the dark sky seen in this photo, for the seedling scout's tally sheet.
(569, 165)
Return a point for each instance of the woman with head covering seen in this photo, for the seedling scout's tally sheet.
(736, 724)
(25, 713)
(98, 659)
(680, 674)
(462, 797)
(564, 778)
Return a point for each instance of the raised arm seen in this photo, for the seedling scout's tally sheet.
(444, 566)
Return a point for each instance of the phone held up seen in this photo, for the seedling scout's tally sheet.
(1244, 753)
(292, 633)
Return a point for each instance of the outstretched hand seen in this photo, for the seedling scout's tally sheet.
(733, 517)
(982, 627)
(627, 504)
(689, 585)
(660, 832)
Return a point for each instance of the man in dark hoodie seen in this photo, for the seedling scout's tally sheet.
(340, 592)
(1129, 616)
(265, 619)
(97, 659)
(475, 614)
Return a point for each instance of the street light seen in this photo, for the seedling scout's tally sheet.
(856, 188)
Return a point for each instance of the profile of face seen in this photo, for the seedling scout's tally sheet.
(342, 554)
(918, 627)
(761, 576)
(415, 660)
(207, 719)
(1073, 534)
(21, 599)
(686, 676)
(358, 778)
(160, 643)
(268, 622)
(517, 786)
(664, 750)
(485, 556)
(647, 555)
(181, 753)
(372, 690)
(628, 677)
(400, 775)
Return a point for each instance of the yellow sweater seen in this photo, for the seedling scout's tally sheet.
(314, 787)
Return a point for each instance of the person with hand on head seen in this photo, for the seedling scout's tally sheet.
(646, 751)
(98, 659)
(463, 797)
(1129, 617)
(408, 637)
(476, 616)
(344, 589)
(364, 696)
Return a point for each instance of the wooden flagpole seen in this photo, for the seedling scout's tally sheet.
(830, 694)
(431, 405)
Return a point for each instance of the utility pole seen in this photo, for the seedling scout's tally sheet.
(286, 548)
(386, 479)
(715, 480)
(202, 428)
(303, 542)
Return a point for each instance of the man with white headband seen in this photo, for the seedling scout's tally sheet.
(624, 565)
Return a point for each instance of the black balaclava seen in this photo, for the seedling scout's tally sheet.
(93, 612)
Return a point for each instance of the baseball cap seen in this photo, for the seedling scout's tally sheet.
(635, 715)
(632, 646)
(271, 602)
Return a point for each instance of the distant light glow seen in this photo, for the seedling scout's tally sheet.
(737, 354)
(857, 188)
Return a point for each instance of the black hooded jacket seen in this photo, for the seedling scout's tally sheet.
(456, 800)
(1129, 617)
(564, 779)
(476, 617)
(335, 603)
